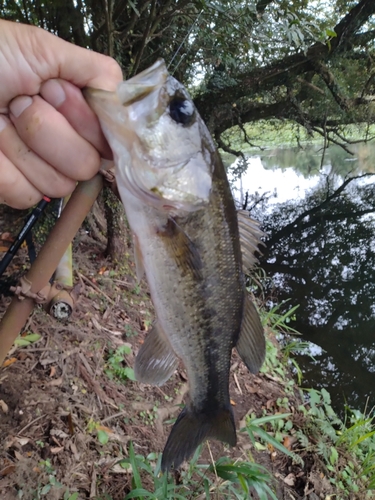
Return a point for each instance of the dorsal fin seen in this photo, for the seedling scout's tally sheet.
(250, 239)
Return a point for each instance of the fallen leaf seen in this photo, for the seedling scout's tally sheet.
(290, 479)
(102, 269)
(233, 403)
(59, 433)
(104, 428)
(56, 449)
(55, 382)
(270, 404)
(9, 469)
(287, 442)
(7, 237)
(4, 406)
(18, 455)
(3, 248)
(22, 441)
(52, 373)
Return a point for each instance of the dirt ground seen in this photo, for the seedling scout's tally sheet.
(61, 393)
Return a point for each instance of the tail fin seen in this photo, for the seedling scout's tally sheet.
(191, 429)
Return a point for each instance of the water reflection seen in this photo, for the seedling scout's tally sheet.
(321, 254)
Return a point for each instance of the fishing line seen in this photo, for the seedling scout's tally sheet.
(181, 44)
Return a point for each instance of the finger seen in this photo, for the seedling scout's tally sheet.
(48, 133)
(40, 174)
(69, 62)
(69, 101)
(15, 190)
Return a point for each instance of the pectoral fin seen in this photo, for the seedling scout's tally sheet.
(250, 235)
(156, 360)
(181, 249)
(251, 344)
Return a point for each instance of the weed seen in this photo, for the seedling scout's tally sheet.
(116, 365)
(222, 479)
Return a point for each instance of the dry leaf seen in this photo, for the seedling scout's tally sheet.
(9, 469)
(58, 433)
(18, 455)
(4, 406)
(55, 382)
(52, 373)
(287, 442)
(290, 479)
(104, 428)
(9, 361)
(56, 449)
(22, 441)
(7, 237)
(233, 403)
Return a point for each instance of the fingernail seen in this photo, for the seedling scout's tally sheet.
(3, 123)
(19, 104)
(53, 92)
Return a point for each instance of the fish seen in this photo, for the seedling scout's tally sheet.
(187, 242)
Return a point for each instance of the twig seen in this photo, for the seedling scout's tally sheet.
(31, 423)
(115, 415)
(237, 383)
(90, 283)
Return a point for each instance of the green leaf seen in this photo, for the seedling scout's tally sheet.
(140, 493)
(21, 342)
(45, 489)
(133, 461)
(129, 372)
(32, 337)
(102, 437)
(331, 33)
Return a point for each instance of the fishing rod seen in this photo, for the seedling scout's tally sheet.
(34, 216)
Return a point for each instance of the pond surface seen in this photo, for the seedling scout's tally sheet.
(332, 277)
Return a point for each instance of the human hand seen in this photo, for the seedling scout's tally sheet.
(49, 137)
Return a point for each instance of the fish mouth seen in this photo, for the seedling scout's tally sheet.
(140, 86)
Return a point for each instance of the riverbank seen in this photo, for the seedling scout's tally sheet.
(74, 424)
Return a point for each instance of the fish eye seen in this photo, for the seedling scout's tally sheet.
(182, 111)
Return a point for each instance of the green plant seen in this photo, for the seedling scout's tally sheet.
(116, 366)
(222, 479)
(254, 427)
(28, 339)
(348, 451)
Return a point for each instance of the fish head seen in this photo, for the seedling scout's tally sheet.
(162, 149)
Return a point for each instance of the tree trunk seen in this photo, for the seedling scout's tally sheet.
(118, 233)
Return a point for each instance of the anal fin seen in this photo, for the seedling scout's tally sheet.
(156, 360)
(251, 344)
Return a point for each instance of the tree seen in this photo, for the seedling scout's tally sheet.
(308, 61)
(311, 62)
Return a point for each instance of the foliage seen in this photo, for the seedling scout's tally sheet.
(310, 62)
(224, 478)
(348, 452)
(116, 364)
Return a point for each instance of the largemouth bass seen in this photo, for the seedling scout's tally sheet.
(186, 234)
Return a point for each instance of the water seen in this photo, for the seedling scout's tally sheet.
(325, 262)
